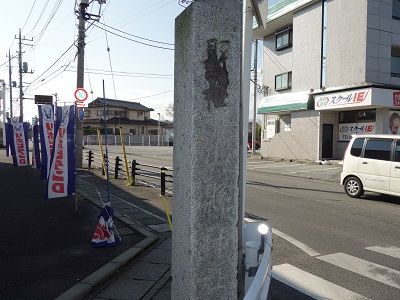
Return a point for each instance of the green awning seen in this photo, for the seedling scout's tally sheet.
(284, 102)
(285, 107)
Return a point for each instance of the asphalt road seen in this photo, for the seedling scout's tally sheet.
(322, 238)
(45, 245)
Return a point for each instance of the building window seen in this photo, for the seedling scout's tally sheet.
(396, 9)
(86, 113)
(395, 65)
(358, 116)
(139, 113)
(142, 129)
(283, 81)
(121, 114)
(153, 132)
(99, 113)
(132, 131)
(283, 39)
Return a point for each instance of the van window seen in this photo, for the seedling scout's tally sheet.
(397, 152)
(378, 149)
(357, 147)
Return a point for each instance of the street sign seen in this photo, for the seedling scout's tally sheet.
(43, 99)
(81, 96)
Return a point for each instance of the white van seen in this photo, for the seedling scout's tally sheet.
(372, 163)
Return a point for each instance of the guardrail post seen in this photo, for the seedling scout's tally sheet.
(116, 170)
(103, 170)
(162, 173)
(90, 159)
(133, 171)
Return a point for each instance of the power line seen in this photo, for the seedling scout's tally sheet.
(65, 52)
(29, 14)
(123, 75)
(151, 95)
(130, 73)
(109, 59)
(132, 40)
(50, 18)
(40, 16)
(136, 36)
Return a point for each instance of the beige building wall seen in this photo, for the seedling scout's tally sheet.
(346, 47)
(307, 25)
(299, 143)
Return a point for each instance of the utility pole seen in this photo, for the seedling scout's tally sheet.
(10, 82)
(3, 96)
(80, 79)
(83, 16)
(21, 93)
(254, 127)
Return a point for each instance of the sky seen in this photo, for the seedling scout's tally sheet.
(141, 73)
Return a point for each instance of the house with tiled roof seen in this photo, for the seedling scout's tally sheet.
(132, 117)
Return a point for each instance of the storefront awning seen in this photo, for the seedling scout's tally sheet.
(284, 102)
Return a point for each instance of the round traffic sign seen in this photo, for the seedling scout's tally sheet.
(80, 95)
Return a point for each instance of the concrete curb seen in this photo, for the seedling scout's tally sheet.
(85, 286)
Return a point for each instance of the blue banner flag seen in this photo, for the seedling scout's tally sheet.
(46, 129)
(36, 151)
(104, 235)
(61, 177)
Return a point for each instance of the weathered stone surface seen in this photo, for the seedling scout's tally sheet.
(206, 151)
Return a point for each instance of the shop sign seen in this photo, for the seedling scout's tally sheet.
(347, 129)
(344, 99)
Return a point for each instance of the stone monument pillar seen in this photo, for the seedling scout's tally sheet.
(206, 150)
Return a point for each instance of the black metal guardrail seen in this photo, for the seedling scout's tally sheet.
(163, 174)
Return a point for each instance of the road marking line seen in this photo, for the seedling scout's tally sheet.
(280, 166)
(295, 242)
(365, 268)
(315, 170)
(311, 285)
(387, 250)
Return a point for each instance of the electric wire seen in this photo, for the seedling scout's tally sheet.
(50, 18)
(149, 96)
(136, 36)
(109, 59)
(34, 2)
(135, 41)
(130, 73)
(122, 75)
(58, 59)
(40, 16)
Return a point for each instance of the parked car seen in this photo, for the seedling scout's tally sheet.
(372, 163)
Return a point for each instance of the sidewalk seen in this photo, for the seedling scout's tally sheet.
(46, 250)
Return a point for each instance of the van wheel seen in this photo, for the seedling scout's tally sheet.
(353, 187)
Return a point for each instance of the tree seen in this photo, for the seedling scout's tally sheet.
(170, 110)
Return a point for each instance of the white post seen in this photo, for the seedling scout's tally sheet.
(149, 140)
(158, 131)
(129, 140)
(142, 140)
(115, 139)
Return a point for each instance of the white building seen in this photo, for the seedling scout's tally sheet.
(333, 69)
